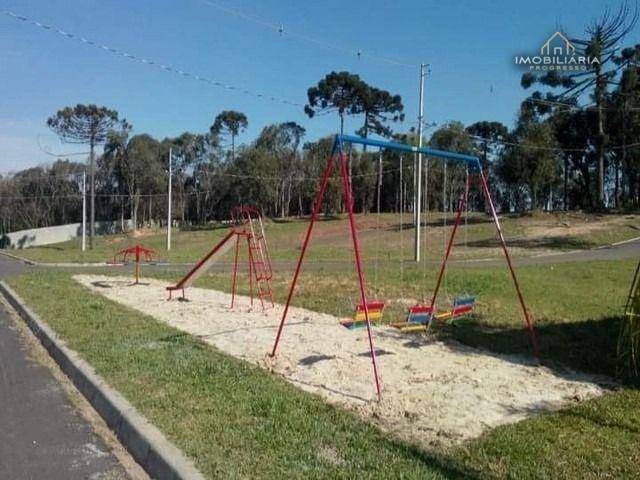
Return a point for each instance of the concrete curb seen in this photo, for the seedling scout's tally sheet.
(16, 257)
(160, 458)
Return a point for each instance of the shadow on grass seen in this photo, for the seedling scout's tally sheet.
(472, 220)
(446, 466)
(588, 346)
(204, 228)
(46, 247)
(552, 243)
(305, 219)
(435, 223)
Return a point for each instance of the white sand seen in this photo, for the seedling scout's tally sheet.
(433, 393)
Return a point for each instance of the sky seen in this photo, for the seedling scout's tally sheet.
(470, 46)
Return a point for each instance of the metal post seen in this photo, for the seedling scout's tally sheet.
(418, 170)
(462, 203)
(169, 204)
(235, 272)
(137, 250)
(92, 175)
(525, 312)
(84, 210)
(317, 205)
(348, 200)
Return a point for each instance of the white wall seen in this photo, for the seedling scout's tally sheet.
(60, 233)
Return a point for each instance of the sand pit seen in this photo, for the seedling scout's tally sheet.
(434, 393)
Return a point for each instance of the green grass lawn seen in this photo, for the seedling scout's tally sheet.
(238, 421)
(527, 234)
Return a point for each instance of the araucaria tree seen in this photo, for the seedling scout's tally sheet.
(86, 124)
(599, 46)
(348, 94)
(337, 91)
(230, 122)
(380, 107)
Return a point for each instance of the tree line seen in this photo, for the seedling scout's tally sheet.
(561, 153)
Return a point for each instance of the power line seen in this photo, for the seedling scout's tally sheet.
(145, 61)
(570, 107)
(280, 29)
(539, 147)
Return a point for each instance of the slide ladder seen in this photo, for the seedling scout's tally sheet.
(260, 261)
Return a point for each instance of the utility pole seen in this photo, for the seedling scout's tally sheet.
(418, 167)
(169, 204)
(84, 210)
(92, 175)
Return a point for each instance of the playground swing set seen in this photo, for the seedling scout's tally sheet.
(246, 226)
(420, 316)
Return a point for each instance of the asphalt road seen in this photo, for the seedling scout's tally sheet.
(42, 433)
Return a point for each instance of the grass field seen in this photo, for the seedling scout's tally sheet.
(237, 421)
(527, 235)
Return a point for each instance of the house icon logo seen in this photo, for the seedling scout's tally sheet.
(557, 45)
(559, 54)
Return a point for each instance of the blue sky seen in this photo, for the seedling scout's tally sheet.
(469, 44)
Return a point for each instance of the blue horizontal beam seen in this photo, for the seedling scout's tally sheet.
(403, 147)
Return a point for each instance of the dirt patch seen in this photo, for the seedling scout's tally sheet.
(572, 225)
(433, 393)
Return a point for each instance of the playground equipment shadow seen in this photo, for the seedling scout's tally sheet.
(547, 243)
(586, 345)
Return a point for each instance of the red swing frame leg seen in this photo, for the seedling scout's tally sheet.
(356, 247)
(523, 305)
(316, 209)
(250, 271)
(461, 206)
(235, 272)
(314, 215)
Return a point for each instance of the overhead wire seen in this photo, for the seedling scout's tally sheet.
(280, 29)
(144, 61)
(569, 106)
(541, 147)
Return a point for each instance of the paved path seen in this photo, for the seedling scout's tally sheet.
(42, 434)
(622, 251)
